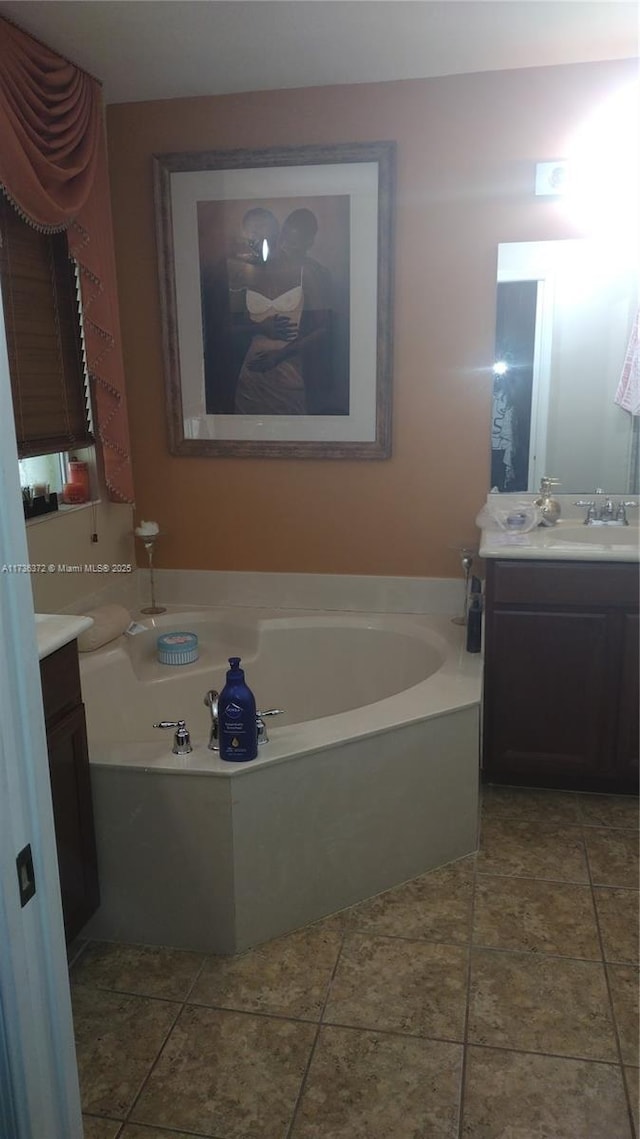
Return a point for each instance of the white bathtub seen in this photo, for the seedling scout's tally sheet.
(369, 778)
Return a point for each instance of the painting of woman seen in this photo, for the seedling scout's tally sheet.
(287, 306)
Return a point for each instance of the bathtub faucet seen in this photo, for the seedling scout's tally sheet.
(181, 740)
(263, 738)
(211, 702)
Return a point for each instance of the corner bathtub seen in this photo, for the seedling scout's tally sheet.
(370, 778)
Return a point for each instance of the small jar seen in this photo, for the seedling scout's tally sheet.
(76, 490)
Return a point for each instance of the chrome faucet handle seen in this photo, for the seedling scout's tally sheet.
(182, 739)
(263, 737)
(621, 512)
(591, 509)
(211, 702)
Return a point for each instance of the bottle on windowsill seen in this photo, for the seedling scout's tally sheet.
(76, 490)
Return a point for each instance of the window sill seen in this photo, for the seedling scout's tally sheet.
(61, 512)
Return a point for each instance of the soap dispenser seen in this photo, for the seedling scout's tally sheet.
(237, 722)
(548, 506)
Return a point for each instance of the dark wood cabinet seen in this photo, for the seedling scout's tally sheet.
(628, 741)
(561, 675)
(70, 787)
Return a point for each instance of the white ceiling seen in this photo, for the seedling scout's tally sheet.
(153, 49)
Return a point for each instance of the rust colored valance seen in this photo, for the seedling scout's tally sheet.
(53, 167)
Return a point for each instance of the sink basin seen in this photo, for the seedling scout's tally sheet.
(593, 535)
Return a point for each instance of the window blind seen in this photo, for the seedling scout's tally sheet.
(42, 326)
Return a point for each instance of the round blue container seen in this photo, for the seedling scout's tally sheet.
(177, 648)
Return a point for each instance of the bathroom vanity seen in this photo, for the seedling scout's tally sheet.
(561, 659)
(69, 769)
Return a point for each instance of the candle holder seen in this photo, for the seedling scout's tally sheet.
(467, 554)
(148, 541)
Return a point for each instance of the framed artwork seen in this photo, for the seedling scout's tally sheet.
(276, 292)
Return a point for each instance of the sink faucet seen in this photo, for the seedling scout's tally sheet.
(608, 513)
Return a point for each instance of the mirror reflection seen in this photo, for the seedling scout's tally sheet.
(565, 315)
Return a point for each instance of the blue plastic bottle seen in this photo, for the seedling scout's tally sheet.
(237, 717)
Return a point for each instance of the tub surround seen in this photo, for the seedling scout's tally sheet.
(64, 539)
(356, 593)
(333, 810)
(220, 865)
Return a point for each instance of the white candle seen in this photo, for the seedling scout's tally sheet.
(147, 529)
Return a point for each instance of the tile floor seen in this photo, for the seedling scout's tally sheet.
(495, 998)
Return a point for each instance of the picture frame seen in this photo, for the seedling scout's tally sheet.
(275, 273)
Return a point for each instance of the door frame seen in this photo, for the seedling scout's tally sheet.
(38, 1070)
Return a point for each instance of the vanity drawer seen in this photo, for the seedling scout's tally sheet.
(593, 584)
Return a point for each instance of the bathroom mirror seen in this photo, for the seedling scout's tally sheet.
(564, 316)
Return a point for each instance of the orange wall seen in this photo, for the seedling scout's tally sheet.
(466, 146)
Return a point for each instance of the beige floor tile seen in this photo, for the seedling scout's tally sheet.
(540, 1004)
(609, 810)
(632, 1076)
(417, 987)
(525, 804)
(436, 906)
(618, 917)
(136, 1131)
(95, 1128)
(365, 1085)
(289, 976)
(624, 980)
(227, 1074)
(118, 1037)
(541, 917)
(613, 856)
(147, 970)
(531, 850)
(511, 1095)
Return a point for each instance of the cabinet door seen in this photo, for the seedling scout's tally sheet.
(73, 818)
(546, 694)
(628, 744)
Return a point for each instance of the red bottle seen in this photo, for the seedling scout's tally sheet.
(77, 489)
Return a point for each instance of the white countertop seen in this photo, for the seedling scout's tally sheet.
(568, 540)
(54, 630)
